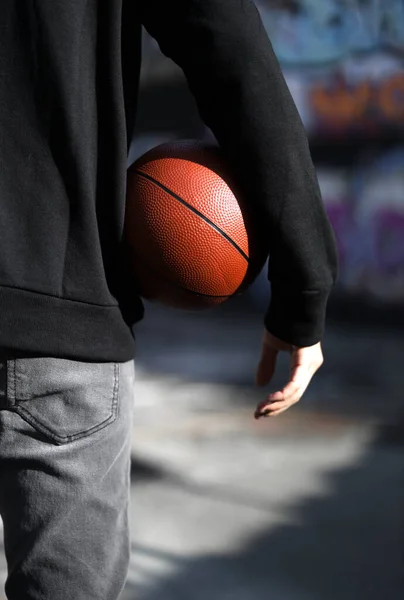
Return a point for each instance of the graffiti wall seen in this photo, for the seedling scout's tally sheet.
(366, 208)
(313, 32)
(344, 63)
(347, 55)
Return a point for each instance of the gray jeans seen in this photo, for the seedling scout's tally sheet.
(65, 445)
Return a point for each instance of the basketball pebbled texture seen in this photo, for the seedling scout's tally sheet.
(185, 230)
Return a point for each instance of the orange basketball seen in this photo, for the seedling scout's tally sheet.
(191, 244)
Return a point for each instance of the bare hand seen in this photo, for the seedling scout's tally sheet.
(304, 363)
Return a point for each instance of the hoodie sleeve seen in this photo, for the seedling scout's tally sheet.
(241, 94)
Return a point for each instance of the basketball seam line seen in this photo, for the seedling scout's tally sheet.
(195, 211)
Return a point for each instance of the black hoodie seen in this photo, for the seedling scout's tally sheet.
(69, 79)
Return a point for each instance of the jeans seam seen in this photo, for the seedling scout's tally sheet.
(27, 416)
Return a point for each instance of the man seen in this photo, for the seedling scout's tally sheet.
(68, 88)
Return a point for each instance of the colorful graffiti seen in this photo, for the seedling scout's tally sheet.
(342, 106)
(322, 31)
(352, 52)
(366, 209)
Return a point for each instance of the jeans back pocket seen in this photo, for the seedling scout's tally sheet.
(65, 400)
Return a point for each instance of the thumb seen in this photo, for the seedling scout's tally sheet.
(266, 366)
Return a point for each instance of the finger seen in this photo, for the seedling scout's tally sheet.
(270, 412)
(266, 367)
(269, 409)
(301, 374)
(272, 407)
(298, 384)
(289, 395)
(276, 413)
(262, 406)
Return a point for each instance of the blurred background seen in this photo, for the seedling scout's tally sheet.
(308, 506)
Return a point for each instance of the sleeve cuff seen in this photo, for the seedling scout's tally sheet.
(297, 318)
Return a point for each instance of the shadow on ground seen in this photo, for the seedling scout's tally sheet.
(347, 545)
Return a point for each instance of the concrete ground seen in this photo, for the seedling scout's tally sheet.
(308, 506)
